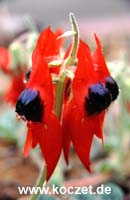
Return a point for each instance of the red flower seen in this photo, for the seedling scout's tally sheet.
(84, 113)
(103, 72)
(99, 62)
(36, 102)
(50, 50)
(47, 44)
(17, 85)
(4, 59)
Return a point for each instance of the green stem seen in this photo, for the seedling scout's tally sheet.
(40, 182)
(72, 59)
(58, 109)
(59, 95)
(69, 62)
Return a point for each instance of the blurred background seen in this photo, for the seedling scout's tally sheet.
(20, 25)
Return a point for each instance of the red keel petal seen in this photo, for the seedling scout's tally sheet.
(49, 138)
(28, 143)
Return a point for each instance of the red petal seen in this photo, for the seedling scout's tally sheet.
(66, 127)
(99, 131)
(54, 70)
(40, 74)
(60, 41)
(82, 137)
(84, 75)
(28, 143)
(49, 138)
(47, 44)
(4, 59)
(81, 131)
(41, 79)
(76, 124)
(16, 87)
(85, 69)
(99, 122)
(99, 61)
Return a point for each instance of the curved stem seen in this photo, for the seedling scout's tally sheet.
(60, 86)
(72, 58)
(40, 182)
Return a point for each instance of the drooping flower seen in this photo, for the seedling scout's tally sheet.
(36, 103)
(93, 91)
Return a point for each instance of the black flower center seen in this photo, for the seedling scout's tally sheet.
(29, 105)
(27, 75)
(98, 99)
(112, 86)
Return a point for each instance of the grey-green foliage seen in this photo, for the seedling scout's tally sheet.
(9, 127)
(83, 197)
(18, 55)
(96, 147)
(30, 45)
(116, 193)
(57, 178)
(46, 197)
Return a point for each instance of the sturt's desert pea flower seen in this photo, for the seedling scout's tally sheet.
(93, 90)
(36, 103)
(71, 108)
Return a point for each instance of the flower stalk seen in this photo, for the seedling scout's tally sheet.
(72, 59)
(40, 182)
(59, 96)
(68, 62)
